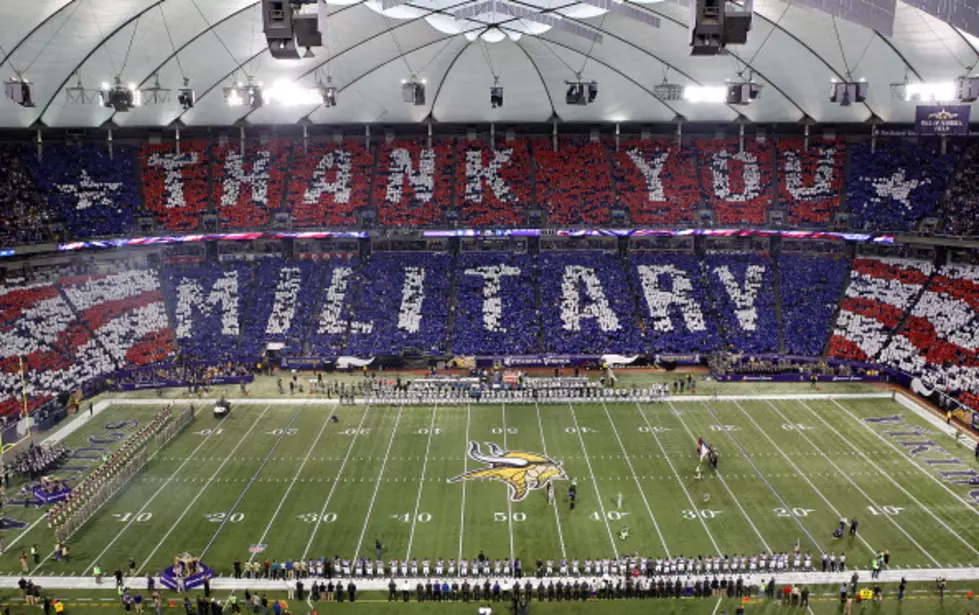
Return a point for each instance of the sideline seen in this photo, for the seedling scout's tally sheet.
(893, 575)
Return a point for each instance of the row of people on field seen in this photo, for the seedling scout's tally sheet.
(484, 567)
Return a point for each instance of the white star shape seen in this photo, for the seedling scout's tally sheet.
(897, 186)
(89, 191)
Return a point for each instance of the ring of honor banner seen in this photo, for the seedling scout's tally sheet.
(942, 120)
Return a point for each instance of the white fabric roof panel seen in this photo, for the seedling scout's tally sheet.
(792, 50)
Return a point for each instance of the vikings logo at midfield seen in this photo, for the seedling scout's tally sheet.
(523, 472)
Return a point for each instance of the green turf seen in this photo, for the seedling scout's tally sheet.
(284, 477)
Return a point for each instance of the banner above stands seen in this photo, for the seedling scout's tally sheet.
(942, 120)
(648, 232)
(163, 240)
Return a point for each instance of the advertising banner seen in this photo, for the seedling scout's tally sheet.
(942, 120)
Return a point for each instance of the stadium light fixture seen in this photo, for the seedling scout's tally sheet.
(944, 91)
(705, 93)
(119, 97)
(844, 93)
(19, 90)
(413, 90)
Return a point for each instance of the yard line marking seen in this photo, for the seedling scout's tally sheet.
(801, 474)
(894, 482)
(335, 481)
(207, 483)
(557, 518)
(720, 476)
(377, 485)
(693, 506)
(163, 486)
(421, 483)
(295, 479)
(506, 492)
(598, 493)
(717, 606)
(241, 496)
(761, 475)
(910, 460)
(465, 468)
(856, 486)
(628, 461)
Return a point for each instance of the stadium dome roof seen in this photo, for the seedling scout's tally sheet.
(793, 51)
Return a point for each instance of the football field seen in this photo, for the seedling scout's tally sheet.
(279, 481)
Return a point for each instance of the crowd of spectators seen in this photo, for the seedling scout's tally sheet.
(810, 288)
(738, 184)
(673, 300)
(175, 185)
(92, 192)
(810, 180)
(283, 300)
(207, 303)
(742, 289)
(329, 326)
(959, 208)
(495, 310)
(413, 183)
(249, 186)
(894, 184)
(587, 305)
(402, 301)
(574, 183)
(328, 183)
(656, 182)
(879, 293)
(88, 192)
(493, 185)
(24, 216)
(939, 341)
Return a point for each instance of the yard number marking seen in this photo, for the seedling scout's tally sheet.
(424, 431)
(206, 432)
(237, 517)
(502, 516)
(611, 515)
(653, 429)
(793, 512)
(316, 517)
(723, 427)
(353, 431)
(499, 430)
(140, 518)
(691, 514)
(580, 430)
(406, 517)
(291, 431)
(885, 510)
(796, 427)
